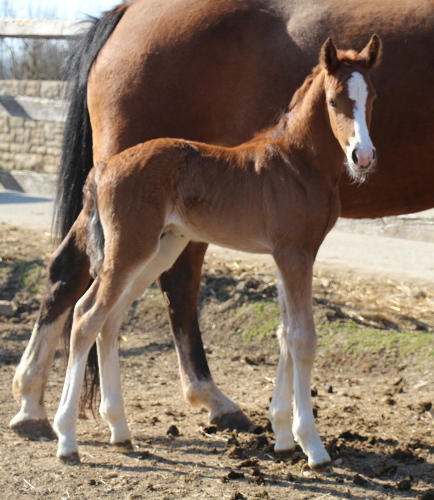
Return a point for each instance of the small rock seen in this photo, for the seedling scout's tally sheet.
(256, 429)
(172, 431)
(260, 480)
(396, 381)
(235, 452)
(425, 406)
(427, 495)
(404, 485)
(420, 294)
(329, 389)
(251, 462)
(314, 392)
(7, 308)
(359, 480)
(237, 496)
(389, 401)
(210, 429)
(256, 472)
(235, 475)
(290, 477)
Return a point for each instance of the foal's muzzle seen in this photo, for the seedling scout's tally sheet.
(363, 159)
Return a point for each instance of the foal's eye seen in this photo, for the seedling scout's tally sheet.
(332, 103)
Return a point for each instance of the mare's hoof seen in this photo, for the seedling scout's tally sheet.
(124, 446)
(323, 467)
(34, 429)
(72, 458)
(236, 420)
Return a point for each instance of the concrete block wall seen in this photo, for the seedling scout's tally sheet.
(27, 144)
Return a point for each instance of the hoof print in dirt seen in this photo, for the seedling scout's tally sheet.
(35, 430)
(236, 420)
(173, 431)
(70, 458)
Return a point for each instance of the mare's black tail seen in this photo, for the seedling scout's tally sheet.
(76, 160)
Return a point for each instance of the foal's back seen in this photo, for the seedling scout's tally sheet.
(244, 197)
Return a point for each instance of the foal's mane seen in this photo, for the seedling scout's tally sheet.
(276, 130)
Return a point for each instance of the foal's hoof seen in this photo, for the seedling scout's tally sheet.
(34, 429)
(236, 420)
(285, 455)
(72, 458)
(323, 467)
(124, 446)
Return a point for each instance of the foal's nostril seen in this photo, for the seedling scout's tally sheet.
(374, 154)
(354, 157)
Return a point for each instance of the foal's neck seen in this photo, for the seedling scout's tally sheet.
(308, 130)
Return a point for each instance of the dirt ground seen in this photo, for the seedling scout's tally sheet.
(372, 391)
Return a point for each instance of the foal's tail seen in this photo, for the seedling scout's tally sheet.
(95, 234)
(76, 159)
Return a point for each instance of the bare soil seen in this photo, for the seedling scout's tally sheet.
(372, 385)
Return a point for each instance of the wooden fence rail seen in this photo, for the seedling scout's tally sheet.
(46, 28)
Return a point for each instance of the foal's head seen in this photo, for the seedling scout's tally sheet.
(350, 96)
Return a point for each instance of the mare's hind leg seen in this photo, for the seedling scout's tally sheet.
(181, 286)
(280, 410)
(68, 277)
(300, 342)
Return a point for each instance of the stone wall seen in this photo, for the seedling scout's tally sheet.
(27, 144)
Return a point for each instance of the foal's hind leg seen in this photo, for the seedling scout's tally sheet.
(296, 266)
(112, 407)
(68, 277)
(280, 410)
(181, 286)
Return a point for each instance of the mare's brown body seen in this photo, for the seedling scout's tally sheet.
(217, 72)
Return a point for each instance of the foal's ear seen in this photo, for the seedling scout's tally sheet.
(328, 57)
(371, 53)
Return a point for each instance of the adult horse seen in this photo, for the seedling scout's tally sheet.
(217, 72)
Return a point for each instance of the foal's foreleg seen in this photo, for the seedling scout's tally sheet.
(68, 277)
(300, 340)
(181, 285)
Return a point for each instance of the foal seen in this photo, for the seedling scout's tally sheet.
(276, 194)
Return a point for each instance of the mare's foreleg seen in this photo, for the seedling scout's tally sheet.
(68, 277)
(299, 341)
(181, 286)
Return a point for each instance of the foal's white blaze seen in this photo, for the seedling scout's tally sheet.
(361, 142)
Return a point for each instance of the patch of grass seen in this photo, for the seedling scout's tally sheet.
(30, 275)
(257, 320)
(356, 341)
